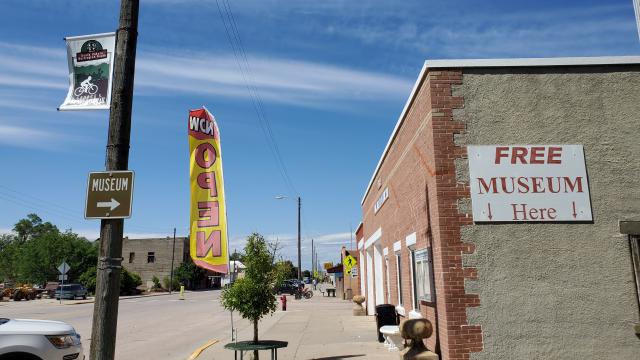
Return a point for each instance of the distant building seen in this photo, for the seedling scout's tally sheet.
(152, 257)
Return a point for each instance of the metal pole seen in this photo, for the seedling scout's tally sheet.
(105, 311)
(299, 252)
(313, 256)
(173, 255)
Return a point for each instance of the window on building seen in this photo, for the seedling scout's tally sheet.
(132, 257)
(423, 276)
(151, 257)
(412, 264)
(398, 278)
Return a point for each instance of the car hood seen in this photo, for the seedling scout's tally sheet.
(39, 327)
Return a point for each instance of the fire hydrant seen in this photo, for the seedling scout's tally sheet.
(283, 300)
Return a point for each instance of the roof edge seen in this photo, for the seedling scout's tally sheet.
(524, 62)
(480, 63)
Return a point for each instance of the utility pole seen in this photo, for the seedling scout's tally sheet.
(313, 256)
(299, 252)
(105, 310)
(173, 255)
(351, 234)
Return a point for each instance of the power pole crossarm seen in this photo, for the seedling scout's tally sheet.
(105, 311)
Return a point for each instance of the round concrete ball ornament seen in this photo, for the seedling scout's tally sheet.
(416, 329)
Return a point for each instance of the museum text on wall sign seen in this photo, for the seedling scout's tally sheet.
(513, 183)
(383, 197)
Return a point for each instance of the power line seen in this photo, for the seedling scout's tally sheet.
(242, 61)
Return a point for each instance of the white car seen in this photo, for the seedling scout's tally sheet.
(22, 339)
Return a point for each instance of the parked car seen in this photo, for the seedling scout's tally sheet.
(50, 288)
(288, 287)
(71, 291)
(22, 339)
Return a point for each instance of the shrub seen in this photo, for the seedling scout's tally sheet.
(176, 284)
(129, 281)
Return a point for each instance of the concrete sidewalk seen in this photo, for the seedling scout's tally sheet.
(318, 328)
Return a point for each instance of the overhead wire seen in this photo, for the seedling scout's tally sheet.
(45, 206)
(242, 61)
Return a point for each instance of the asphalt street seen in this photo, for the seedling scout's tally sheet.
(155, 327)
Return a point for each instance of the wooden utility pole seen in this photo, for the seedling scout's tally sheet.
(105, 310)
(173, 255)
(299, 252)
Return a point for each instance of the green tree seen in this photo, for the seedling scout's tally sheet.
(33, 253)
(253, 295)
(88, 279)
(8, 250)
(32, 226)
(286, 270)
(237, 256)
(188, 273)
(129, 281)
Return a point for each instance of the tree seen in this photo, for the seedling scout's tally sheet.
(188, 273)
(286, 270)
(253, 295)
(306, 273)
(236, 256)
(33, 254)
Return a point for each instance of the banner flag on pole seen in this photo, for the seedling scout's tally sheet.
(90, 59)
(208, 234)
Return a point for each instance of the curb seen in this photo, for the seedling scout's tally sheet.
(121, 298)
(198, 351)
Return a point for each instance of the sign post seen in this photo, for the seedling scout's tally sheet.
(63, 269)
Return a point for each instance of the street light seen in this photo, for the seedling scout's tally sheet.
(282, 197)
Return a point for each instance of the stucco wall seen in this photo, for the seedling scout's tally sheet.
(557, 291)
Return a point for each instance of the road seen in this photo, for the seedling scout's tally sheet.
(155, 327)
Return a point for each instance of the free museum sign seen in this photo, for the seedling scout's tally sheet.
(525, 183)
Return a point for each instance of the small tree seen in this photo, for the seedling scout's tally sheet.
(253, 296)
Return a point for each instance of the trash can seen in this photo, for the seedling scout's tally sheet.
(385, 315)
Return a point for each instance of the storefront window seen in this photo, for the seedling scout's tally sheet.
(423, 276)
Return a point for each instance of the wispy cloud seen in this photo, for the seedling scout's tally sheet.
(29, 138)
(279, 80)
(557, 31)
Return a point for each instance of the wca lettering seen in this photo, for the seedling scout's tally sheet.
(201, 125)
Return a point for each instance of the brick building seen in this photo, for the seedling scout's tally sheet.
(512, 289)
(152, 256)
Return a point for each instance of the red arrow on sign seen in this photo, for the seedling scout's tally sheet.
(489, 207)
(574, 209)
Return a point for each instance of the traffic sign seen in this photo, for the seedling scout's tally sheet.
(63, 277)
(63, 268)
(109, 195)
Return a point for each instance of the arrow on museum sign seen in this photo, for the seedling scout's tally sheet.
(110, 204)
(574, 209)
(489, 207)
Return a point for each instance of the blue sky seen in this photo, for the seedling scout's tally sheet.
(333, 76)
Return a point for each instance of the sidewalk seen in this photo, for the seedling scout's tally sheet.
(318, 328)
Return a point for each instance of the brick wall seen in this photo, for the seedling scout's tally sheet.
(419, 171)
(162, 248)
(458, 338)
